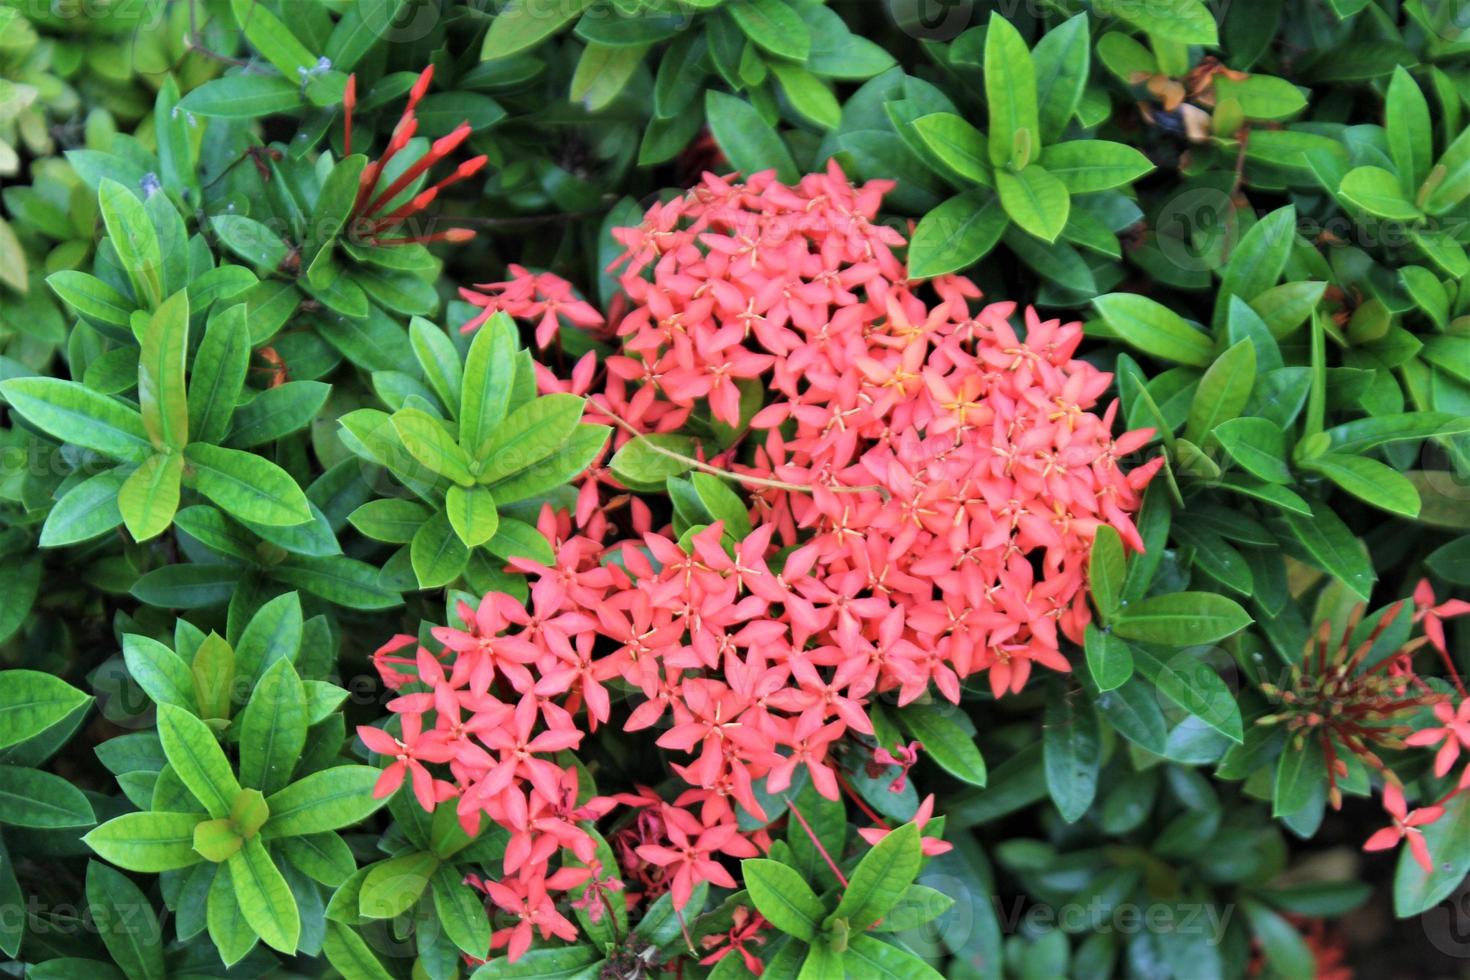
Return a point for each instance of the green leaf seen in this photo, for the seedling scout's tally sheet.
(76, 414)
(393, 886)
(1010, 96)
(429, 442)
(809, 95)
(1223, 391)
(245, 485)
(1282, 943)
(603, 73)
(822, 963)
(1451, 562)
(868, 957)
(325, 800)
(783, 898)
(1109, 660)
(522, 24)
(437, 554)
(439, 360)
(1377, 191)
(1410, 135)
(1448, 182)
(566, 963)
(1287, 306)
(748, 141)
(390, 519)
(919, 905)
(1181, 21)
(1368, 480)
(1361, 435)
(351, 955)
(472, 514)
(1105, 570)
(1072, 753)
(334, 204)
(218, 374)
(217, 840)
(1154, 329)
(147, 842)
(32, 798)
(149, 497)
(243, 97)
(945, 741)
(489, 375)
(880, 878)
(1087, 166)
(269, 35)
(213, 670)
(1301, 774)
(253, 242)
(1332, 546)
(94, 300)
(264, 897)
(124, 920)
(956, 235)
(773, 26)
(644, 462)
(461, 911)
(197, 759)
(1133, 709)
(958, 144)
(1181, 619)
(134, 239)
(1256, 262)
(273, 729)
(1261, 96)
(277, 412)
(31, 702)
(1194, 685)
(1035, 200)
(89, 509)
(165, 343)
(1063, 61)
(1257, 445)
(162, 674)
(529, 435)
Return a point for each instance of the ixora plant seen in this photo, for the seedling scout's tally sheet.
(705, 489)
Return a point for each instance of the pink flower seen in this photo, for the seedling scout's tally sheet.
(932, 846)
(1405, 826)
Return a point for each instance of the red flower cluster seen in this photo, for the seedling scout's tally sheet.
(370, 218)
(926, 492)
(1451, 735)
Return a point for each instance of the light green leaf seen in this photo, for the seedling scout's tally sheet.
(1181, 619)
(780, 895)
(245, 485)
(1368, 480)
(273, 729)
(472, 514)
(325, 800)
(197, 759)
(956, 235)
(147, 842)
(135, 240)
(1087, 166)
(76, 414)
(264, 897)
(1035, 200)
(1010, 96)
(149, 497)
(1154, 329)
